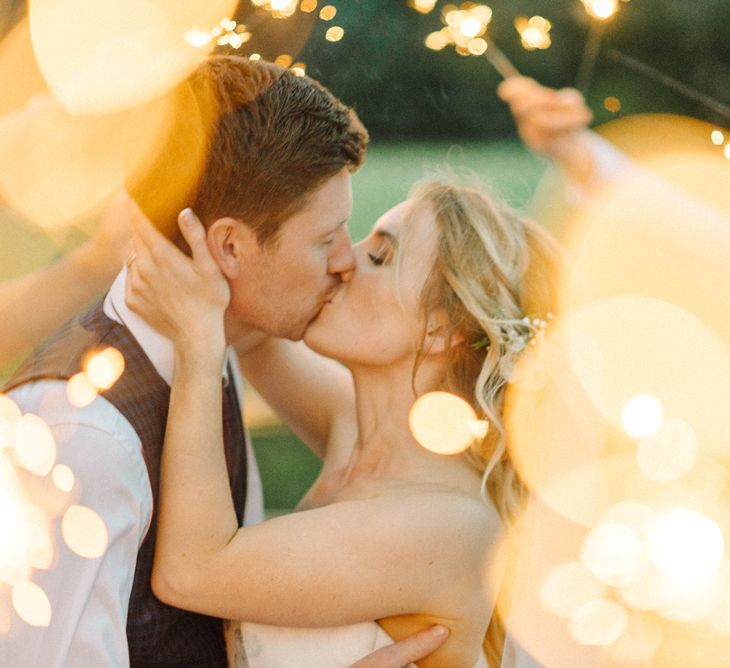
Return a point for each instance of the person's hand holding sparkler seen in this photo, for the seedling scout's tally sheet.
(553, 123)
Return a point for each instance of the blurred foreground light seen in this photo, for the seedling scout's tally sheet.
(46, 152)
(670, 453)
(686, 546)
(308, 6)
(105, 368)
(718, 138)
(63, 477)
(9, 415)
(642, 416)
(102, 56)
(568, 587)
(32, 604)
(726, 151)
(85, 532)
(35, 447)
(80, 390)
(614, 553)
(442, 423)
(598, 623)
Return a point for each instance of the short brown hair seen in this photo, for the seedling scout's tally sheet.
(249, 140)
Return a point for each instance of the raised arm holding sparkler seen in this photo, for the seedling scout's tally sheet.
(555, 124)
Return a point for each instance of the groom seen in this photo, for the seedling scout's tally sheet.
(264, 158)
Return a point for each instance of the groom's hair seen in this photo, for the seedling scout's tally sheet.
(249, 140)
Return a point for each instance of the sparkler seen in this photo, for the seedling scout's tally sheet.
(600, 11)
(671, 83)
(465, 27)
(534, 32)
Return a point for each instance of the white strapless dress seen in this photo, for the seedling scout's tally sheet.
(260, 646)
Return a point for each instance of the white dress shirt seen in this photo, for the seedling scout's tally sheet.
(90, 597)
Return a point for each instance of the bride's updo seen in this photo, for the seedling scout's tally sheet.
(491, 271)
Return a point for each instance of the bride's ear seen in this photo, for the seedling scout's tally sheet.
(227, 240)
(439, 336)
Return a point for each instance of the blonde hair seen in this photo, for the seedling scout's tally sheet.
(491, 268)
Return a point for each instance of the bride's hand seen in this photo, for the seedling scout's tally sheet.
(183, 298)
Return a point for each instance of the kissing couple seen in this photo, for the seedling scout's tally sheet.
(258, 276)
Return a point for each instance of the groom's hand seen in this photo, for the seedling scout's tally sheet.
(406, 651)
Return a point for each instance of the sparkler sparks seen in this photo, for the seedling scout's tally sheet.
(226, 33)
(534, 32)
(465, 28)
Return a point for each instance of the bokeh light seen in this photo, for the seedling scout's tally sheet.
(442, 423)
(63, 477)
(612, 104)
(717, 137)
(670, 453)
(85, 532)
(45, 152)
(104, 56)
(32, 604)
(328, 12)
(334, 34)
(423, 6)
(614, 553)
(598, 623)
(642, 415)
(104, 368)
(686, 546)
(80, 390)
(568, 587)
(35, 448)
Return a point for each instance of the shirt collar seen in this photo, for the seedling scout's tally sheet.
(158, 348)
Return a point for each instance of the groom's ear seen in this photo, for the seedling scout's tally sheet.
(228, 239)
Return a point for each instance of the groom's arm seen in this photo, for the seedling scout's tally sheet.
(405, 652)
(89, 581)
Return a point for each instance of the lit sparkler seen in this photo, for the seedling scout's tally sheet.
(600, 11)
(534, 32)
(280, 9)
(226, 33)
(465, 28)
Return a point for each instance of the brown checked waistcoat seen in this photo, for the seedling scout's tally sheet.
(158, 634)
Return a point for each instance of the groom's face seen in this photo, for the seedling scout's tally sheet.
(282, 287)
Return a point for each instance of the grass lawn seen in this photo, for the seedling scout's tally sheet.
(287, 466)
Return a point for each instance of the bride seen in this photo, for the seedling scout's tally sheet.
(390, 531)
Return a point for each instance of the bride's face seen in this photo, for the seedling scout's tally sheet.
(375, 319)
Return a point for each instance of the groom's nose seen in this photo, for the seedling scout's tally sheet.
(341, 260)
